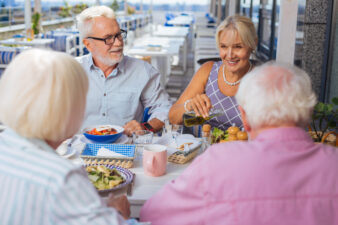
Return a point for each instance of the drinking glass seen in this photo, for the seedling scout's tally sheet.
(143, 137)
(172, 131)
(176, 130)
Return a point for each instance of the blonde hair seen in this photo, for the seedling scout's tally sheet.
(43, 95)
(275, 94)
(85, 18)
(243, 25)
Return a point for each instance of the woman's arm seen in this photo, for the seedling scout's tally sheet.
(194, 92)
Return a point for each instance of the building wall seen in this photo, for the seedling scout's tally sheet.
(333, 80)
(315, 25)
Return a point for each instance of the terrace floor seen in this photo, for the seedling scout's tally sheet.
(177, 83)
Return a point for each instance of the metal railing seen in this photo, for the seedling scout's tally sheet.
(15, 15)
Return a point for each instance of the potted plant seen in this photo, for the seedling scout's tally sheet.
(131, 10)
(36, 26)
(78, 8)
(115, 6)
(324, 120)
(65, 11)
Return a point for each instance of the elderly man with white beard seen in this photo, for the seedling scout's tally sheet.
(120, 87)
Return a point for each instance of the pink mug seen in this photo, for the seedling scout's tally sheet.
(155, 160)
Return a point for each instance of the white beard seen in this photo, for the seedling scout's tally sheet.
(106, 60)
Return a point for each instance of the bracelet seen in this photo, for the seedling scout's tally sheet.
(185, 105)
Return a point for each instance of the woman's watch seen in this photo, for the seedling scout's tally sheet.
(147, 126)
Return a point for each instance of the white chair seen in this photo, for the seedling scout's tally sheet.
(71, 45)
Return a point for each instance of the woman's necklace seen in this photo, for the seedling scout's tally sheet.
(236, 82)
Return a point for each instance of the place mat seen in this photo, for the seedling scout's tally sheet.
(124, 163)
(89, 155)
(181, 157)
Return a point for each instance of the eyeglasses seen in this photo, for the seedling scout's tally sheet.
(111, 38)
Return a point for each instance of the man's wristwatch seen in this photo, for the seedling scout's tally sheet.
(147, 126)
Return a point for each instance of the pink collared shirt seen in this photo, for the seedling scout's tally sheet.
(280, 178)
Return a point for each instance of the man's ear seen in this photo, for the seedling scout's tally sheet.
(246, 125)
(87, 44)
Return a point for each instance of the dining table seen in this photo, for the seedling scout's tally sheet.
(36, 42)
(160, 49)
(181, 21)
(146, 186)
(143, 186)
(175, 32)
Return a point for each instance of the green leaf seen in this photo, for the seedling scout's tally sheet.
(329, 108)
(325, 108)
(316, 116)
(335, 100)
(320, 107)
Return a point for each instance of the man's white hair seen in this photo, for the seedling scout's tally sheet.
(85, 18)
(275, 94)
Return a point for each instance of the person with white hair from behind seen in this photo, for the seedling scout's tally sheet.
(280, 176)
(43, 98)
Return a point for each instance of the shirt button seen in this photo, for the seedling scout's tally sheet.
(104, 94)
(103, 114)
(101, 75)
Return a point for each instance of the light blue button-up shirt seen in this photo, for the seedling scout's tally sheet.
(39, 187)
(121, 97)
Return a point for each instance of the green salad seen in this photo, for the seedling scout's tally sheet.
(218, 135)
(104, 178)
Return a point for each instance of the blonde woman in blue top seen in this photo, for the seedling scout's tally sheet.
(216, 83)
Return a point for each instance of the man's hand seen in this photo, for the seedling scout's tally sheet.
(121, 204)
(132, 126)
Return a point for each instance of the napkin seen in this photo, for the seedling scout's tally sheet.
(106, 152)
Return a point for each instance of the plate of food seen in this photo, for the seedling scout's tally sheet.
(233, 133)
(103, 133)
(121, 140)
(108, 178)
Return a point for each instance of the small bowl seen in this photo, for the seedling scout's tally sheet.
(104, 138)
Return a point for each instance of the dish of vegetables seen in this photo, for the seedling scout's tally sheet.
(102, 131)
(233, 133)
(108, 177)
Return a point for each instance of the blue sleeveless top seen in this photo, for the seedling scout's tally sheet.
(227, 104)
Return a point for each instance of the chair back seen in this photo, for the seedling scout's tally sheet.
(146, 115)
(7, 54)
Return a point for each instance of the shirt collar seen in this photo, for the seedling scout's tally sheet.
(284, 134)
(120, 66)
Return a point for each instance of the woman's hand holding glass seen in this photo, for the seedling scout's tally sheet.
(201, 104)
